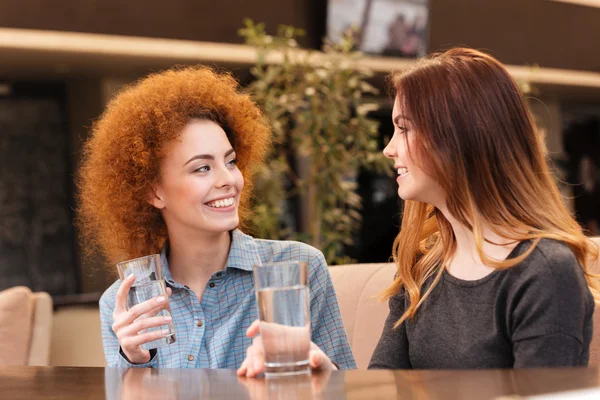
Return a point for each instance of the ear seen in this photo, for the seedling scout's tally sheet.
(156, 197)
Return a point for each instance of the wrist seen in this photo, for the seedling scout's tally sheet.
(145, 359)
(142, 358)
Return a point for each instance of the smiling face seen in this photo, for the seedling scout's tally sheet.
(200, 184)
(413, 182)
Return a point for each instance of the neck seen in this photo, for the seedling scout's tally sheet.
(494, 245)
(194, 257)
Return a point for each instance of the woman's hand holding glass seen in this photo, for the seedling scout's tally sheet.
(127, 323)
(254, 363)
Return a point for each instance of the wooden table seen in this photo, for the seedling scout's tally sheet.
(99, 383)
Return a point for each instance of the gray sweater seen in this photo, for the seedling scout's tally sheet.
(535, 314)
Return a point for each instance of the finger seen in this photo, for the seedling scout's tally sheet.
(169, 291)
(258, 364)
(153, 313)
(250, 361)
(255, 358)
(253, 329)
(242, 369)
(127, 318)
(144, 308)
(134, 341)
(122, 293)
(144, 323)
(317, 359)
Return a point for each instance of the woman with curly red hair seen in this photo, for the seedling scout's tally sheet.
(168, 169)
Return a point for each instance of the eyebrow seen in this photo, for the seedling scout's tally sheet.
(399, 117)
(207, 157)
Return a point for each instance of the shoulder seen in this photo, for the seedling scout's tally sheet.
(552, 258)
(547, 293)
(552, 267)
(289, 250)
(556, 251)
(272, 251)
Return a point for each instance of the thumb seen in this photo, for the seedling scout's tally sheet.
(316, 359)
(253, 329)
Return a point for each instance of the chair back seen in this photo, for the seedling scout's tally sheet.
(357, 287)
(25, 327)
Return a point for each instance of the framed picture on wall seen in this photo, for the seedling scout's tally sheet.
(395, 28)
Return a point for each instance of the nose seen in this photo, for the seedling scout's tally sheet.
(225, 177)
(390, 150)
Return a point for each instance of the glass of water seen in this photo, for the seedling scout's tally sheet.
(283, 299)
(149, 283)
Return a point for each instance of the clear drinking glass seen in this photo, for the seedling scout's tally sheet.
(283, 299)
(149, 283)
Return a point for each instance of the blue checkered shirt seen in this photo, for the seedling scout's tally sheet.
(228, 307)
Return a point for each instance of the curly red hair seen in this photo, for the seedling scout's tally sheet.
(121, 160)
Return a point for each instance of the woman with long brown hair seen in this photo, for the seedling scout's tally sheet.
(492, 269)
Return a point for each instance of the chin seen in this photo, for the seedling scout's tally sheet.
(229, 226)
(405, 195)
(217, 226)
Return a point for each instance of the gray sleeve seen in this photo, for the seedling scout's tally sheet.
(557, 350)
(552, 311)
(392, 350)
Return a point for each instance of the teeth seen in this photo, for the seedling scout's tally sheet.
(221, 203)
(402, 171)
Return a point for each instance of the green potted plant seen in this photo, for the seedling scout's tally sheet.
(316, 103)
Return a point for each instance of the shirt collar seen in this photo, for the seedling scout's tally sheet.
(165, 265)
(243, 254)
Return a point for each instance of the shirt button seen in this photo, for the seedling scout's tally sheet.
(199, 323)
(211, 285)
(190, 358)
(218, 274)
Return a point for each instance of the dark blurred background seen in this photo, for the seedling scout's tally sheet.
(53, 87)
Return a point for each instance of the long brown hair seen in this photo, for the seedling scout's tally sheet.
(478, 140)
